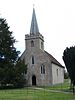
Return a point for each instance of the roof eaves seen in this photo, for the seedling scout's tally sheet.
(53, 60)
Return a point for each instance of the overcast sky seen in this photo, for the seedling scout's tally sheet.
(56, 22)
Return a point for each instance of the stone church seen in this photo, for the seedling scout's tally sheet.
(43, 68)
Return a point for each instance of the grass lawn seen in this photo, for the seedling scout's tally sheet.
(31, 94)
(64, 86)
(35, 94)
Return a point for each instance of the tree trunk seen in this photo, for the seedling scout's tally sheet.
(71, 85)
(73, 89)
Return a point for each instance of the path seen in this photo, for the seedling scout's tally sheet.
(56, 91)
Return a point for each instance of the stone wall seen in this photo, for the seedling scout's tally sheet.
(35, 69)
(57, 74)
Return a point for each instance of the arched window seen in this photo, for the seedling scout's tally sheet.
(32, 43)
(57, 72)
(32, 59)
(42, 69)
(41, 45)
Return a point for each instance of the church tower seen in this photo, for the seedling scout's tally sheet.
(34, 39)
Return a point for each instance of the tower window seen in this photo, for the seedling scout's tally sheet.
(41, 45)
(42, 69)
(32, 43)
(32, 59)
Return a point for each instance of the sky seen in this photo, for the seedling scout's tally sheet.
(56, 22)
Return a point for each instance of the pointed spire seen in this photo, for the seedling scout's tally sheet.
(34, 26)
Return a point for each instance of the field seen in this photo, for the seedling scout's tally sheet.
(33, 93)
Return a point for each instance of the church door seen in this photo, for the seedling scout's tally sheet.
(33, 80)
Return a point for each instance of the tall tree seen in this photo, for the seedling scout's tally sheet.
(8, 53)
(20, 73)
(69, 60)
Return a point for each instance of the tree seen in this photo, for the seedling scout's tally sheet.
(69, 60)
(12, 69)
(8, 53)
(20, 73)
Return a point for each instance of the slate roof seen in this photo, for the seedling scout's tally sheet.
(53, 60)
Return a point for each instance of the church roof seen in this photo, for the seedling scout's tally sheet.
(53, 60)
(34, 26)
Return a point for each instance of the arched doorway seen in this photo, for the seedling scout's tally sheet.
(33, 80)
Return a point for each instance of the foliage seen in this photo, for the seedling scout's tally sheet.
(11, 69)
(8, 53)
(69, 60)
(20, 73)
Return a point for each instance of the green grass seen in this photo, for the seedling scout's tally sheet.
(64, 86)
(37, 94)
(32, 94)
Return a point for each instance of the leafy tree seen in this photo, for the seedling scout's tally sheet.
(12, 69)
(20, 73)
(8, 53)
(69, 60)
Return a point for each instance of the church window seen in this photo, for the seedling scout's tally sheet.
(41, 45)
(57, 72)
(43, 69)
(32, 59)
(32, 43)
